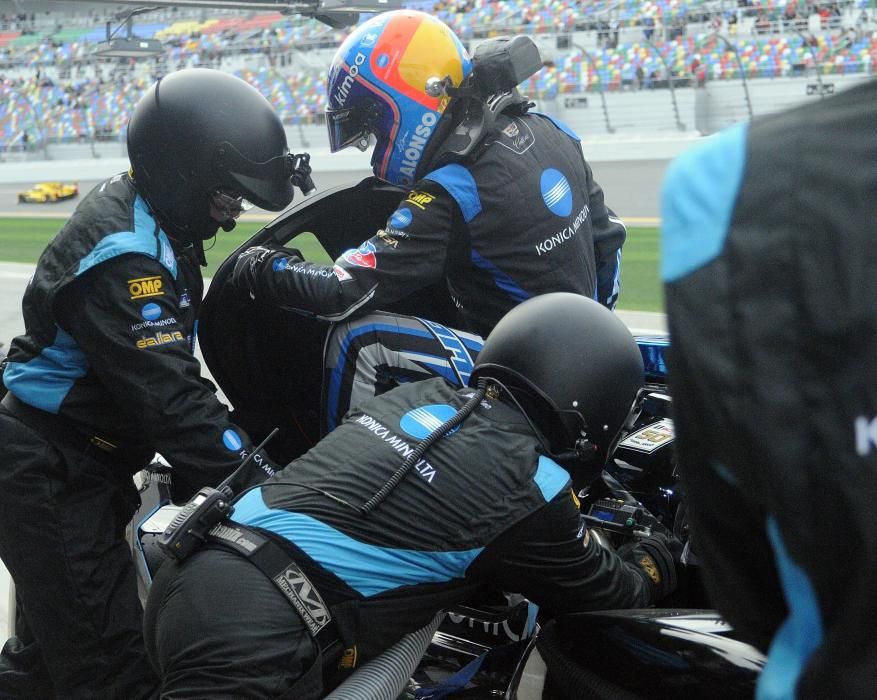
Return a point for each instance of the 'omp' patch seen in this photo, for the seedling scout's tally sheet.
(419, 199)
(145, 287)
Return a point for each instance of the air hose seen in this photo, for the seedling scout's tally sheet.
(385, 677)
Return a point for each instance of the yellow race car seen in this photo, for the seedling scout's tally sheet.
(44, 192)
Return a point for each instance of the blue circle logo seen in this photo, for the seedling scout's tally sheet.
(401, 218)
(383, 60)
(232, 440)
(280, 264)
(556, 192)
(420, 422)
(150, 312)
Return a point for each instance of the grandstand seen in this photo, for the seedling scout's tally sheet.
(658, 65)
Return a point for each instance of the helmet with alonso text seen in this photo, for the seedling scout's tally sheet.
(388, 80)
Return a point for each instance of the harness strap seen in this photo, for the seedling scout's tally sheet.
(324, 623)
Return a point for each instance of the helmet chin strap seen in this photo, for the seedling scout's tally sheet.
(206, 230)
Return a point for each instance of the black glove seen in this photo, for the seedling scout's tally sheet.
(246, 269)
(651, 558)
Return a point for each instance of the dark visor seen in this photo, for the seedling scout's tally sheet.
(346, 128)
(266, 184)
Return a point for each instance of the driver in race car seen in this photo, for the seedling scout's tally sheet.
(500, 204)
(105, 376)
(421, 498)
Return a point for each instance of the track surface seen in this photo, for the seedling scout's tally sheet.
(632, 189)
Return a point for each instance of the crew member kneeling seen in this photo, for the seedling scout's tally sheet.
(423, 495)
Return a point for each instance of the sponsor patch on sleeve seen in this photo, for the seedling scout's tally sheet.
(389, 237)
(342, 274)
(517, 137)
(650, 567)
(400, 218)
(418, 199)
(364, 256)
(232, 440)
(160, 338)
(143, 287)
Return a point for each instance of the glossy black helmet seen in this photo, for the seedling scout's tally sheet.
(197, 132)
(573, 366)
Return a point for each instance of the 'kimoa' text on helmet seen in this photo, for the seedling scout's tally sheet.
(344, 88)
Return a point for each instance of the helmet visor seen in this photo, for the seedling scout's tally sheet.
(265, 184)
(347, 127)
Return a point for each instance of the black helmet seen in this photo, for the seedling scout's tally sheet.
(197, 132)
(574, 368)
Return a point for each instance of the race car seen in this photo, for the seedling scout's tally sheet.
(44, 192)
(281, 375)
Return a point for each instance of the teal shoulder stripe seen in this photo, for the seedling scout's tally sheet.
(141, 240)
(697, 201)
(167, 256)
(366, 568)
(145, 225)
(550, 477)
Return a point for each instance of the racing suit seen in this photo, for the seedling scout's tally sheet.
(519, 217)
(103, 377)
(481, 507)
(768, 260)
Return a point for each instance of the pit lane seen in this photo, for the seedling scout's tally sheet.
(631, 187)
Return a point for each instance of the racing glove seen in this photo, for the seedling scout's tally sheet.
(250, 263)
(652, 560)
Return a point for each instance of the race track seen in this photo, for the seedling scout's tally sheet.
(631, 188)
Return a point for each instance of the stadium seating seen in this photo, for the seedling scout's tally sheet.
(86, 105)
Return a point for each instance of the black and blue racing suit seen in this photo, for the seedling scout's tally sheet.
(769, 262)
(521, 216)
(482, 507)
(103, 377)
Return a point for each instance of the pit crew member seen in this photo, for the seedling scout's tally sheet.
(104, 376)
(768, 262)
(364, 550)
